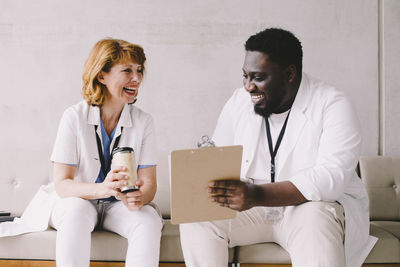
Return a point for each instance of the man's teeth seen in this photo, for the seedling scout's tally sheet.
(257, 97)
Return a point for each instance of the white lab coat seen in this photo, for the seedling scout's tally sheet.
(318, 154)
(76, 144)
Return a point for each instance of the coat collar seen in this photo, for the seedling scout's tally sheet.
(125, 120)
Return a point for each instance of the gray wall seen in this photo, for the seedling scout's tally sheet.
(195, 55)
(389, 77)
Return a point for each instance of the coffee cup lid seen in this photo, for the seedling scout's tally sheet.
(122, 149)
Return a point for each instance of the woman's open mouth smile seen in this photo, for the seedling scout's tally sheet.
(131, 91)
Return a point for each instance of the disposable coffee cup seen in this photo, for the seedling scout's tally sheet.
(125, 156)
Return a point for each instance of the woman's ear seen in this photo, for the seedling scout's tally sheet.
(100, 77)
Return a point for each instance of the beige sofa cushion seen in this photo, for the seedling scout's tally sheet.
(106, 246)
(389, 226)
(263, 253)
(381, 176)
(386, 250)
(22, 175)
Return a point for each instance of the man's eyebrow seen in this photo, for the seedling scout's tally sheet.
(253, 72)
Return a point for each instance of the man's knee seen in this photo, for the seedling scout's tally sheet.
(202, 230)
(319, 215)
(317, 223)
(316, 234)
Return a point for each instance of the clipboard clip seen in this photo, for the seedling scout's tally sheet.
(205, 141)
(249, 180)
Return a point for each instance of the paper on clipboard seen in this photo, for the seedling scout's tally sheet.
(190, 172)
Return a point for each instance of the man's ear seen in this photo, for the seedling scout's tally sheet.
(291, 73)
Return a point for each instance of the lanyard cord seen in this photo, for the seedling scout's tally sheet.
(105, 167)
(273, 151)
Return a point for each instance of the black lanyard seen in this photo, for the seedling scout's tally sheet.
(105, 168)
(273, 151)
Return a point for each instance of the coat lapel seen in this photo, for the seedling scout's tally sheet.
(295, 126)
(253, 130)
(94, 120)
(125, 120)
(296, 123)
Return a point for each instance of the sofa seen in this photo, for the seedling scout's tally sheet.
(381, 176)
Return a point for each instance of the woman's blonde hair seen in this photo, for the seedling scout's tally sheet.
(103, 56)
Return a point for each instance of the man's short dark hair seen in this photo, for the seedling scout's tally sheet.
(281, 46)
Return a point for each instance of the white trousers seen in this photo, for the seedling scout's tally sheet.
(75, 219)
(312, 233)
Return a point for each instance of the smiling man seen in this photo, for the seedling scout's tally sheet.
(298, 187)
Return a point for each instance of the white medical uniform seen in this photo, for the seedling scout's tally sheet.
(318, 154)
(75, 218)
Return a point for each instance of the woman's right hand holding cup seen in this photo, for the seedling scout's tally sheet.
(113, 182)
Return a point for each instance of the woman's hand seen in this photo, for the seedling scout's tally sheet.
(133, 200)
(147, 189)
(112, 183)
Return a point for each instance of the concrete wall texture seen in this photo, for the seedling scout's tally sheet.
(195, 55)
(389, 71)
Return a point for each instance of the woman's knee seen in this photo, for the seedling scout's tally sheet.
(145, 221)
(74, 210)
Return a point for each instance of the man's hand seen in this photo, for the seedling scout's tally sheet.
(234, 194)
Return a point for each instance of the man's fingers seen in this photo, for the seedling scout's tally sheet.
(228, 184)
(221, 199)
(229, 202)
(220, 191)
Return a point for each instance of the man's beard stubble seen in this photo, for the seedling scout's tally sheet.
(263, 112)
(273, 101)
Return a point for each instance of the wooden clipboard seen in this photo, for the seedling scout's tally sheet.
(190, 172)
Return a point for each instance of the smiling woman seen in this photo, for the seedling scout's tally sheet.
(122, 81)
(86, 194)
(106, 54)
(111, 80)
